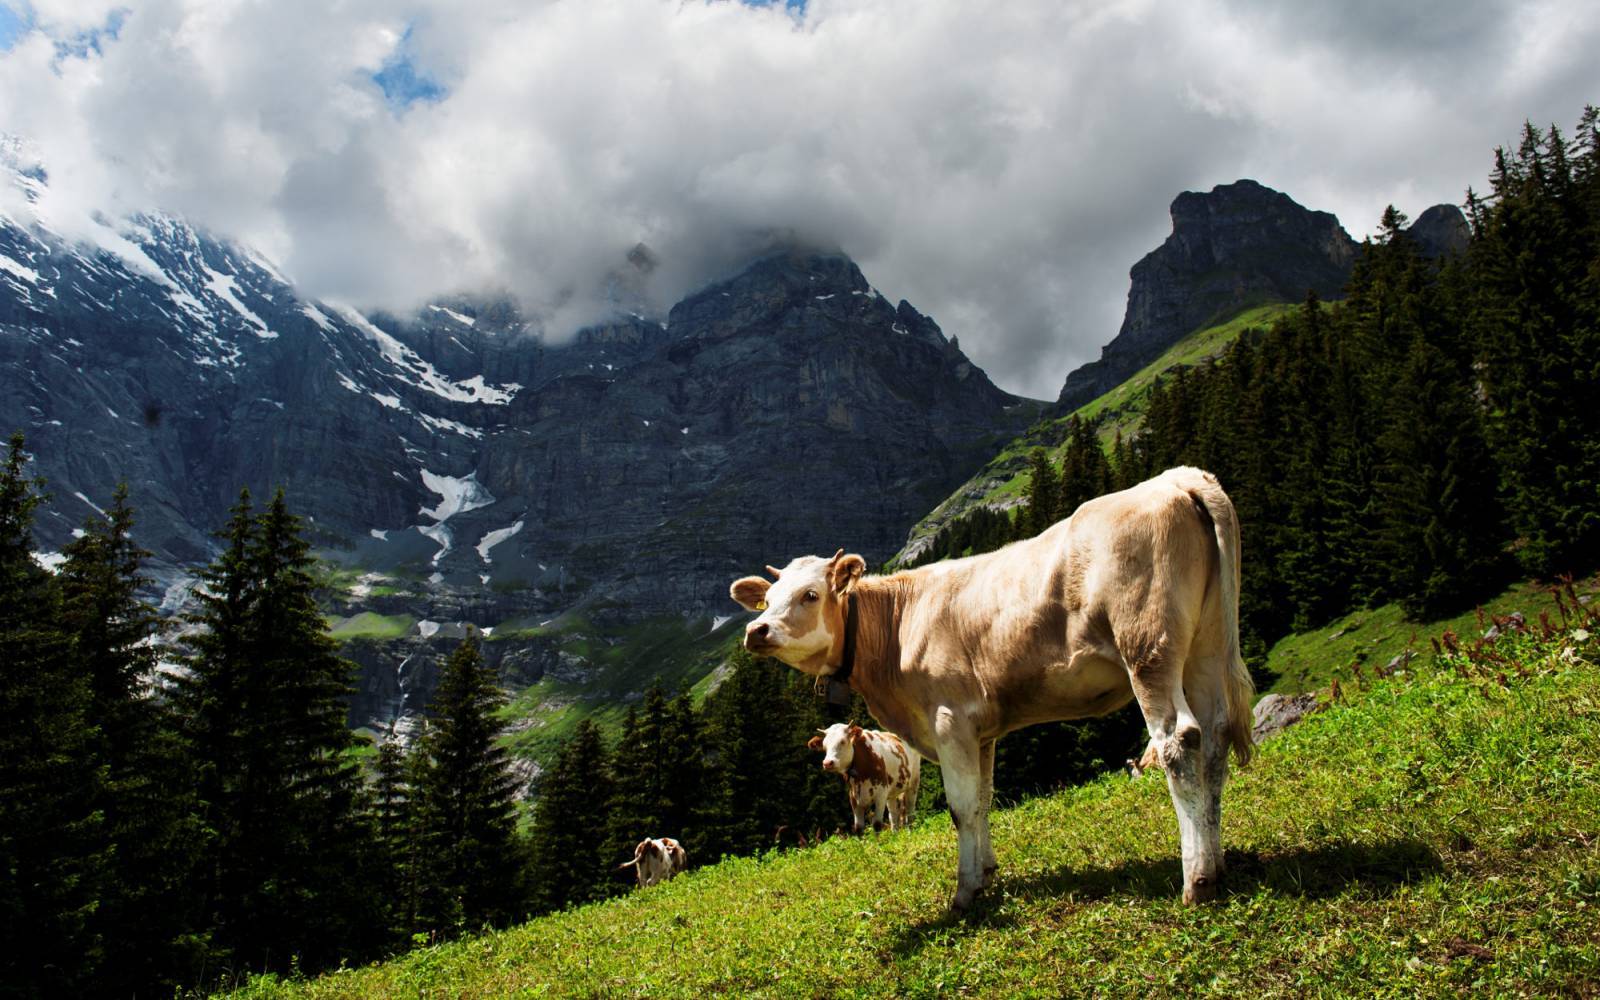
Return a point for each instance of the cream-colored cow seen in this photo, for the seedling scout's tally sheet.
(1136, 595)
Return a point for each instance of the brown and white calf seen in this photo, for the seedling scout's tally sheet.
(881, 774)
(656, 860)
(1134, 596)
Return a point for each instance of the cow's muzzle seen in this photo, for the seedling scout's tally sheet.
(758, 638)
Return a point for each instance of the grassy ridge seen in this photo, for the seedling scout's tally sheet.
(1005, 477)
(1435, 835)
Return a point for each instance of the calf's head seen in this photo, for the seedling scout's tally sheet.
(802, 609)
(837, 744)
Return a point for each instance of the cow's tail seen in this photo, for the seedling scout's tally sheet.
(1241, 690)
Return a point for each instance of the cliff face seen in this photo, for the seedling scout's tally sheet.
(1238, 245)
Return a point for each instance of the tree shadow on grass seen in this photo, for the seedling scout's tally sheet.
(1308, 873)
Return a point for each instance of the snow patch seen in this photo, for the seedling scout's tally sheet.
(440, 533)
(459, 318)
(344, 380)
(27, 274)
(392, 402)
(436, 579)
(427, 628)
(424, 375)
(720, 621)
(454, 426)
(50, 560)
(222, 286)
(459, 495)
(380, 535)
(315, 315)
(91, 503)
(494, 538)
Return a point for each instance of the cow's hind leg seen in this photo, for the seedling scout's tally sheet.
(986, 856)
(1186, 736)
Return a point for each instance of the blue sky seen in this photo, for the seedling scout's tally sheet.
(12, 25)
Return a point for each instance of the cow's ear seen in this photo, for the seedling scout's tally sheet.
(855, 730)
(750, 592)
(844, 572)
(814, 743)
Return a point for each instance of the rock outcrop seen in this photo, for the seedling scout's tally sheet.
(1239, 245)
(1440, 231)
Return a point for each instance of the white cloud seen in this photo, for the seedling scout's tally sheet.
(1000, 165)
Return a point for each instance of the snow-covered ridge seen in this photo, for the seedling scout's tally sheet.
(422, 374)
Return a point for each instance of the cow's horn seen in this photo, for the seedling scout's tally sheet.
(836, 556)
(774, 572)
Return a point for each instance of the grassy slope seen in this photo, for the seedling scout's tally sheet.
(683, 655)
(1433, 836)
(1005, 478)
(1373, 637)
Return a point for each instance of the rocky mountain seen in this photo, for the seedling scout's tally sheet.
(464, 470)
(1238, 245)
(1441, 230)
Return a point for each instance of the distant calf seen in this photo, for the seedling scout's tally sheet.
(881, 774)
(656, 860)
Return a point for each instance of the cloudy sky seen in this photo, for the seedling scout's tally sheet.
(999, 165)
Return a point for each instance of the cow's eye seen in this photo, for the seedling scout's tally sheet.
(811, 595)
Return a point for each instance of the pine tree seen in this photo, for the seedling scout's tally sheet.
(264, 716)
(1044, 492)
(568, 838)
(391, 821)
(475, 865)
(147, 802)
(53, 843)
(1537, 323)
(638, 807)
(1439, 535)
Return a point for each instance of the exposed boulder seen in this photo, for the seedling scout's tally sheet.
(1276, 712)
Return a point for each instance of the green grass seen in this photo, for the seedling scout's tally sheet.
(371, 625)
(1005, 478)
(1373, 637)
(1433, 835)
(619, 663)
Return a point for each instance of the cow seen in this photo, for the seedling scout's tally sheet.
(1134, 596)
(881, 774)
(656, 860)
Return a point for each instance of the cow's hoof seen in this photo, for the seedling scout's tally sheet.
(1201, 890)
(963, 901)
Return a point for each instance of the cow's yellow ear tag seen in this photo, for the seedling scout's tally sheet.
(761, 605)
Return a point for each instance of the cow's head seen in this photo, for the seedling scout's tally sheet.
(801, 609)
(837, 744)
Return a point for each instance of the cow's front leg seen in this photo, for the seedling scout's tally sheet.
(858, 807)
(960, 762)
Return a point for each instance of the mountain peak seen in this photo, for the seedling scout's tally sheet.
(1238, 245)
